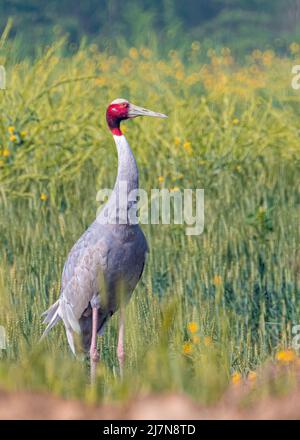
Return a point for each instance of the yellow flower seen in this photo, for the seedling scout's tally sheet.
(207, 341)
(43, 197)
(175, 189)
(146, 52)
(210, 52)
(286, 356)
(160, 179)
(187, 348)
(126, 66)
(93, 48)
(11, 129)
(177, 141)
(192, 79)
(268, 57)
(195, 45)
(261, 210)
(188, 147)
(100, 81)
(13, 138)
(196, 339)
(23, 134)
(294, 48)
(5, 152)
(133, 53)
(192, 327)
(179, 75)
(235, 121)
(236, 378)
(252, 375)
(217, 280)
(225, 51)
(256, 54)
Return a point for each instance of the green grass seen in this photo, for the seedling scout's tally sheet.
(250, 173)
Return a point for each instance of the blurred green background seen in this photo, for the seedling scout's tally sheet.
(241, 24)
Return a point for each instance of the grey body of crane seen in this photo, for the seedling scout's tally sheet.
(103, 267)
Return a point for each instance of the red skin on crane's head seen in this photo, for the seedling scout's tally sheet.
(121, 109)
(116, 112)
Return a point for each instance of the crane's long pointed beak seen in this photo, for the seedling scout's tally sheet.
(135, 111)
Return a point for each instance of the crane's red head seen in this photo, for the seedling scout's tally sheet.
(120, 109)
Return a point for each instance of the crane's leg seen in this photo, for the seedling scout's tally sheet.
(120, 348)
(94, 355)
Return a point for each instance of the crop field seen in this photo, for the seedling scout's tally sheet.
(211, 311)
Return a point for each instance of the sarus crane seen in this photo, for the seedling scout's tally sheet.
(106, 263)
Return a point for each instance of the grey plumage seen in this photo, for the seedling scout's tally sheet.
(106, 262)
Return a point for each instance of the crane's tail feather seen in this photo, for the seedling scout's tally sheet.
(48, 314)
(61, 309)
(68, 316)
(51, 317)
(71, 340)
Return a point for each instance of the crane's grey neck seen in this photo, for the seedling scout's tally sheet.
(127, 167)
(122, 198)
